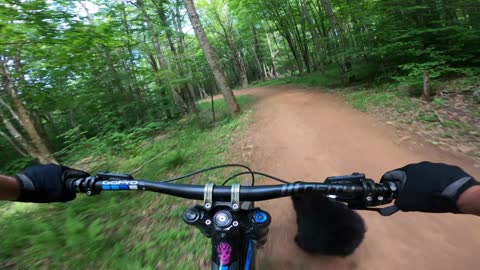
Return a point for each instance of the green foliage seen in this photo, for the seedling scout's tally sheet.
(122, 230)
(439, 101)
(173, 159)
(11, 164)
(86, 74)
(380, 98)
(97, 89)
(221, 110)
(428, 116)
(411, 89)
(330, 78)
(476, 95)
(435, 69)
(452, 123)
(108, 143)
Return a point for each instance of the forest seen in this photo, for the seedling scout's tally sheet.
(129, 86)
(78, 74)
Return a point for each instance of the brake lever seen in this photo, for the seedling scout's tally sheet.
(386, 211)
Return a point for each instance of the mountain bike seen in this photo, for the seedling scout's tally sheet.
(228, 215)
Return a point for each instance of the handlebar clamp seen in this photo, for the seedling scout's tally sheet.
(235, 197)
(208, 196)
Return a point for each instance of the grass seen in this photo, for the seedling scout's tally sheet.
(220, 108)
(365, 99)
(123, 230)
(329, 78)
(449, 120)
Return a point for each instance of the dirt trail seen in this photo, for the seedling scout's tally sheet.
(307, 135)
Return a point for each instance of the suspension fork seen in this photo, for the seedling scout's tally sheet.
(235, 234)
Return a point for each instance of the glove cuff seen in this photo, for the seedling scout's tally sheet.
(457, 188)
(27, 188)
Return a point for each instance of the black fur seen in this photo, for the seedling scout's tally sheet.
(327, 227)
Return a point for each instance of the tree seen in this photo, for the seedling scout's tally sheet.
(222, 18)
(211, 58)
(21, 115)
(77, 70)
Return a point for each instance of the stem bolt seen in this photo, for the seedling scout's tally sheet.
(235, 223)
(208, 222)
(380, 198)
(369, 198)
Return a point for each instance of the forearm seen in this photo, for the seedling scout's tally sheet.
(469, 201)
(9, 188)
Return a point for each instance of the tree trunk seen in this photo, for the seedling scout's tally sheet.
(178, 27)
(49, 119)
(237, 58)
(427, 95)
(13, 144)
(186, 92)
(318, 65)
(138, 88)
(163, 18)
(10, 110)
(156, 44)
(25, 120)
(243, 71)
(259, 74)
(191, 89)
(188, 97)
(177, 98)
(272, 56)
(257, 51)
(284, 26)
(22, 141)
(40, 128)
(211, 58)
(338, 34)
(293, 48)
(301, 36)
(163, 96)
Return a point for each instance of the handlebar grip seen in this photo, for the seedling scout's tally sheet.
(69, 184)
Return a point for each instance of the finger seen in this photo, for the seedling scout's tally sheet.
(398, 177)
(71, 173)
(395, 175)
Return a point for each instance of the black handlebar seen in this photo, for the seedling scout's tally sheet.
(354, 189)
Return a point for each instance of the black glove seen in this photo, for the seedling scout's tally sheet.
(429, 187)
(46, 183)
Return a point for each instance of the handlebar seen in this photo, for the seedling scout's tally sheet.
(354, 189)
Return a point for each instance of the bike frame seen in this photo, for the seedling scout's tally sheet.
(243, 259)
(232, 251)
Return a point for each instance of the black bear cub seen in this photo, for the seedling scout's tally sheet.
(327, 227)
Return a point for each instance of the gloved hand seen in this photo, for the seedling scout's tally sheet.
(430, 187)
(46, 183)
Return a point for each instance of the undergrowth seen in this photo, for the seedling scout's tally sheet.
(368, 98)
(450, 121)
(124, 230)
(328, 78)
